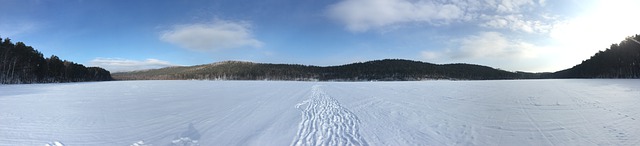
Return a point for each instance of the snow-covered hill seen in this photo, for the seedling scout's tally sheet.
(520, 112)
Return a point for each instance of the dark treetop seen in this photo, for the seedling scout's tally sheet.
(20, 63)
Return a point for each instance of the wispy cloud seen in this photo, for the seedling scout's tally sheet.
(365, 15)
(493, 49)
(12, 28)
(429, 55)
(491, 45)
(217, 35)
(123, 65)
(518, 23)
(362, 15)
(512, 6)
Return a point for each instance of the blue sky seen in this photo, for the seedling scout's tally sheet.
(514, 35)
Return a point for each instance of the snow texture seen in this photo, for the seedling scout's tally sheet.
(326, 122)
(191, 113)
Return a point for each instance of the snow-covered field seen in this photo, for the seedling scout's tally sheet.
(513, 112)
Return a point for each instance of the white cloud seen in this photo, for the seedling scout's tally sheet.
(542, 2)
(123, 65)
(513, 6)
(517, 22)
(429, 55)
(364, 15)
(491, 45)
(496, 50)
(213, 36)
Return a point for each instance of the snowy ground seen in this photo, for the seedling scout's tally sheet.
(520, 112)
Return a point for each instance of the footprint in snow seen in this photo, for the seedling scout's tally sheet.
(55, 143)
(189, 137)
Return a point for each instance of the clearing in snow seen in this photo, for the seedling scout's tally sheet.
(506, 112)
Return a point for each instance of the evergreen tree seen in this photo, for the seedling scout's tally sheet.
(20, 63)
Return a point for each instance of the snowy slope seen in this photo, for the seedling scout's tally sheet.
(520, 112)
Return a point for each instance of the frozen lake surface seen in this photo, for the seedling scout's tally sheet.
(509, 112)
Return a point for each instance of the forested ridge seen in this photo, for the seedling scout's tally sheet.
(383, 70)
(20, 63)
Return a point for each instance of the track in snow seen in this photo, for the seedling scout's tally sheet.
(326, 122)
(166, 113)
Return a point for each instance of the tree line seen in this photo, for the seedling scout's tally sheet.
(20, 64)
(377, 70)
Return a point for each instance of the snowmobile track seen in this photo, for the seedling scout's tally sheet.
(326, 122)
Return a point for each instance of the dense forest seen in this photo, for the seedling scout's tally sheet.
(381, 70)
(20, 63)
(618, 61)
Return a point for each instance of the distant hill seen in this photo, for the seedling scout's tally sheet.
(618, 61)
(383, 70)
(20, 63)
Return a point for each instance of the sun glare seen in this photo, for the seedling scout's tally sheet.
(607, 23)
(617, 19)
